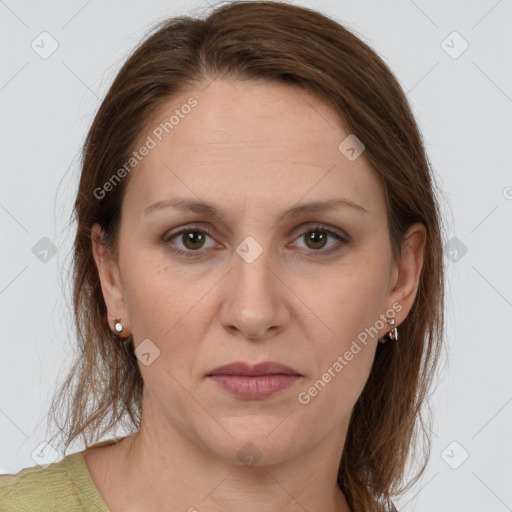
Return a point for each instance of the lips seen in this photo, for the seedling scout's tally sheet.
(243, 369)
(254, 381)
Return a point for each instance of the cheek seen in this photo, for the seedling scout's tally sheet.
(157, 297)
(348, 305)
(169, 307)
(347, 301)
(344, 358)
(329, 399)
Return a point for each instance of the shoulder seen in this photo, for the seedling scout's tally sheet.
(57, 486)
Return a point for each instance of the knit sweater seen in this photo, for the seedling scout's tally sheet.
(62, 486)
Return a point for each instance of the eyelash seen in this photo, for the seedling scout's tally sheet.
(191, 254)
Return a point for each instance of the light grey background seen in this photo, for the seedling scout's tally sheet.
(464, 109)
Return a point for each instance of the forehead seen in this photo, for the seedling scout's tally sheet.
(259, 143)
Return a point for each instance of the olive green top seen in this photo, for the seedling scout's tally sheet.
(62, 486)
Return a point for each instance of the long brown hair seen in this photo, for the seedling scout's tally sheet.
(298, 46)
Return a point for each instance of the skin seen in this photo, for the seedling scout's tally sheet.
(255, 150)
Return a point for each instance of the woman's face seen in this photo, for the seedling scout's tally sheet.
(259, 280)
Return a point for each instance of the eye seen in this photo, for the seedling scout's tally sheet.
(192, 238)
(317, 237)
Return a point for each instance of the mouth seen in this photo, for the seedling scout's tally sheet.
(254, 382)
(258, 370)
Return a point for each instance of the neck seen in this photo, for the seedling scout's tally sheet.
(163, 470)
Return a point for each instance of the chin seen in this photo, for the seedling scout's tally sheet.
(253, 440)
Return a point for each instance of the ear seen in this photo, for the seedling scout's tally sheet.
(109, 275)
(406, 273)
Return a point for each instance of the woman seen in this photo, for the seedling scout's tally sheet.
(258, 278)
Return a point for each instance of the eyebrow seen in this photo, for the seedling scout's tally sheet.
(210, 210)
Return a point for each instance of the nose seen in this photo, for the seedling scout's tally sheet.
(255, 298)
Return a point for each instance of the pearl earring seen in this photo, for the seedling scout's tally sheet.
(118, 325)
